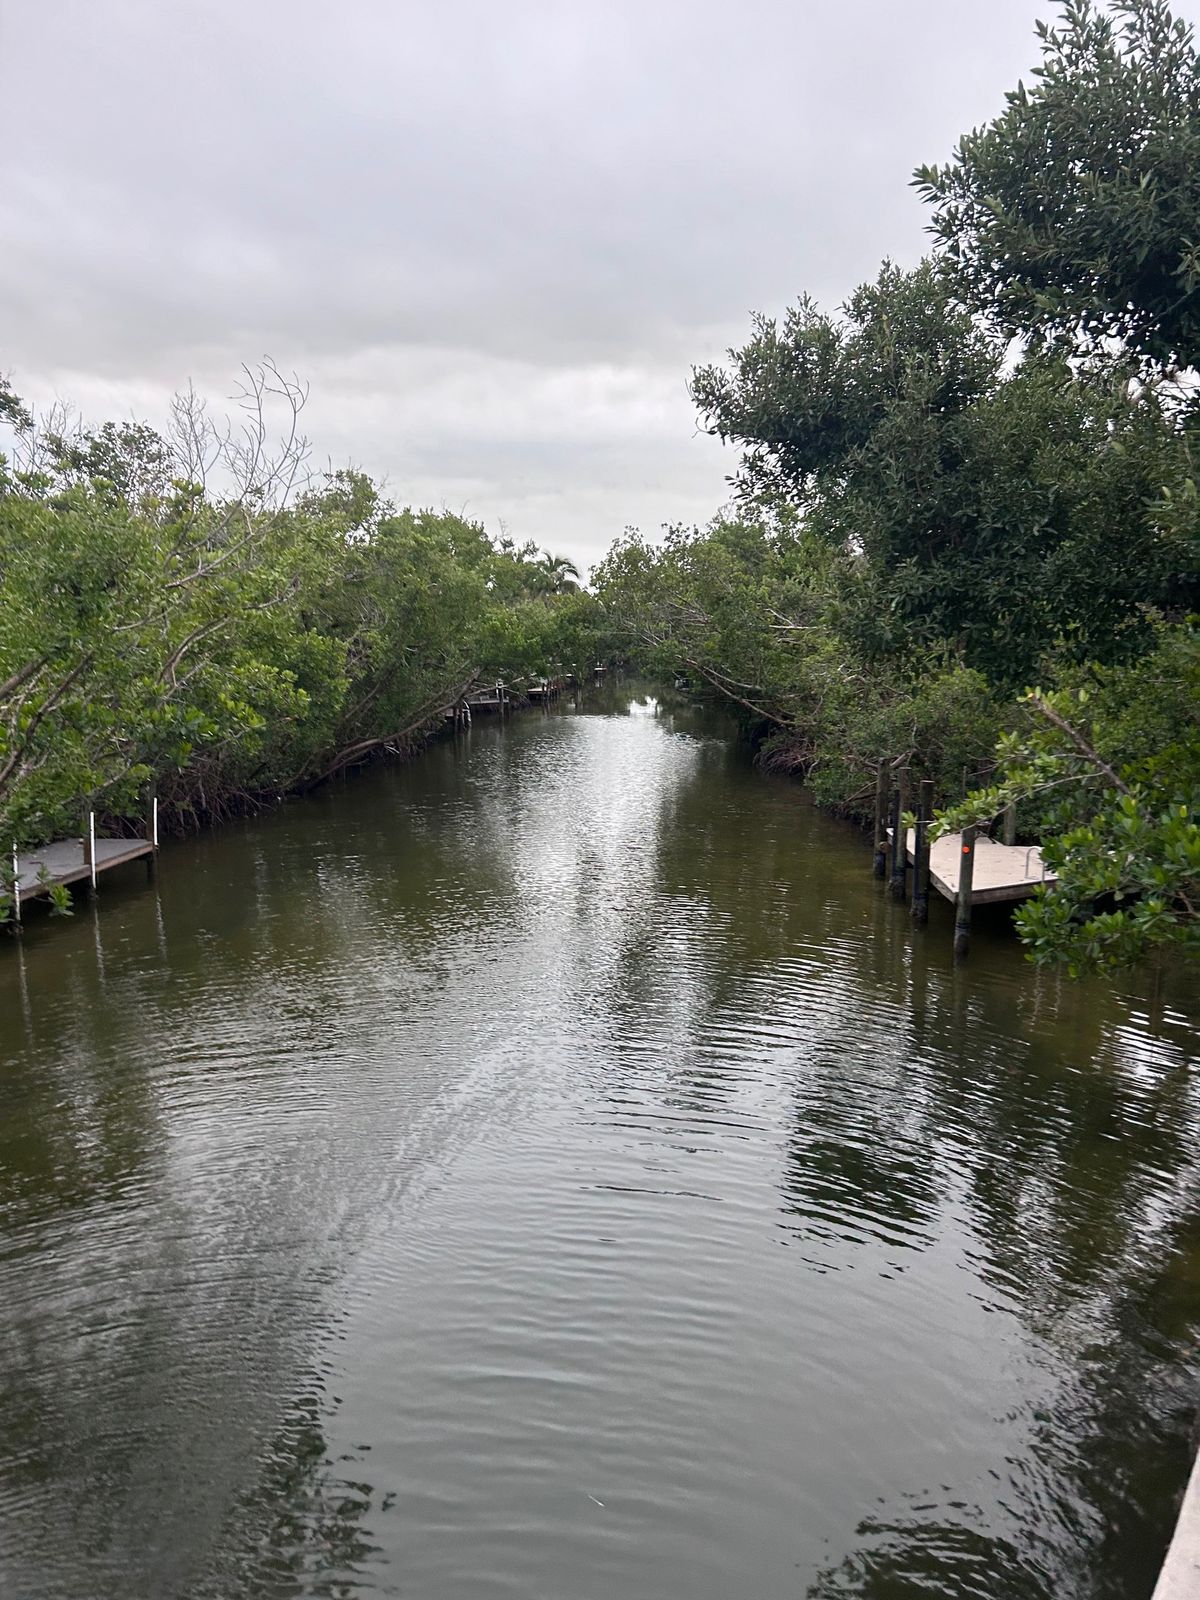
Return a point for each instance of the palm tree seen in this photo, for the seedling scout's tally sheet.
(562, 576)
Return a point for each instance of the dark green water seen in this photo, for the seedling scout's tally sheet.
(553, 1169)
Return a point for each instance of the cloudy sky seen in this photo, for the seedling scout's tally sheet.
(493, 237)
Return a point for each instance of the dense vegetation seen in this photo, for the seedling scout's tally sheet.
(965, 527)
(964, 538)
(196, 613)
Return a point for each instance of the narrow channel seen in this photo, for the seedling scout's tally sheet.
(554, 1168)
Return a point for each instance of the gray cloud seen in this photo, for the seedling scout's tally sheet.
(494, 237)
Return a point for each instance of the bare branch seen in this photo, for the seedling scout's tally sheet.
(1041, 703)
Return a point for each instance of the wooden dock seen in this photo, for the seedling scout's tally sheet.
(29, 874)
(1001, 871)
(969, 868)
(66, 862)
(545, 689)
(504, 698)
(493, 698)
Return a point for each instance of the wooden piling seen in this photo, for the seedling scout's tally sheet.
(962, 906)
(920, 894)
(893, 830)
(1008, 827)
(900, 795)
(881, 820)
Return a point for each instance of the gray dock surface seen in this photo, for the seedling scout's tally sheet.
(1180, 1576)
(64, 862)
(1002, 871)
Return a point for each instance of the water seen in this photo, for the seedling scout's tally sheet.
(554, 1169)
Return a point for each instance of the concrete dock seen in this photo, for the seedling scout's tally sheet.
(1180, 1576)
(1001, 871)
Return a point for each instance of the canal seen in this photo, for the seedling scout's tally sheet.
(553, 1169)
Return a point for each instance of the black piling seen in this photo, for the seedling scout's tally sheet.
(881, 820)
(962, 904)
(1008, 825)
(920, 894)
(899, 875)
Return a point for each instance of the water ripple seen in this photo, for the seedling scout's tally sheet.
(553, 1168)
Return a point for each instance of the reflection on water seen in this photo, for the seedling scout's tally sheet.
(553, 1168)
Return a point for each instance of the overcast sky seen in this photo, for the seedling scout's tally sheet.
(493, 237)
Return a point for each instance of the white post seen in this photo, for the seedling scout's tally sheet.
(92, 844)
(154, 823)
(16, 884)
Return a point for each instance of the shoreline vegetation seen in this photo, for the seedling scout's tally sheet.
(963, 538)
(194, 613)
(965, 529)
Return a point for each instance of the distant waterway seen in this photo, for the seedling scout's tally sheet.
(553, 1169)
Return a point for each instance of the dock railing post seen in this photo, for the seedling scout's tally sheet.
(962, 903)
(152, 835)
(900, 795)
(89, 850)
(879, 866)
(16, 889)
(920, 894)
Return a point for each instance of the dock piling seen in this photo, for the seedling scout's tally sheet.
(881, 820)
(16, 890)
(1008, 833)
(900, 795)
(73, 861)
(962, 906)
(920, 894)
(89, 851)
(152, 836)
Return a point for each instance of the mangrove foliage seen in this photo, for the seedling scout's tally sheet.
(199, 613)
(964, 534)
